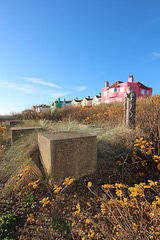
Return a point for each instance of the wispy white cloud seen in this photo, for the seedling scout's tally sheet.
(41, 82)
(80, 88)
(154, 20)
(22, 88)
(56, 94)
(155, 55)
(33, 90)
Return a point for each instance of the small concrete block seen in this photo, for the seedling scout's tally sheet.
(65, 154)
(15, 122)
(17, 132)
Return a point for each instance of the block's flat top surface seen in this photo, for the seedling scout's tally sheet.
(15, 121)
(65, 135)
(25, 128)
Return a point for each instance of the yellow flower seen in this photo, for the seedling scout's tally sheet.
(89, 184)
(151, 183)
(78, 209)
(30, 218)
(108, 186)
(118, 163)
(149, 152)
(68, 181)
(103, 208)
(119, 193)
(74, 223)
(137, 144)
(120, 185)
(91, 235)
(56, 189)
(142, 146)
(88, 221)
(45, 201)
(34, 184)
(89, 204)
(135, 227)
(158, 166)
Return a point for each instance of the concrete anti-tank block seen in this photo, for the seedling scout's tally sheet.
(15, 122)
(17, 132)
(65, 154)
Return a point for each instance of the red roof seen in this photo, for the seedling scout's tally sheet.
(142, 86)
(115, 84)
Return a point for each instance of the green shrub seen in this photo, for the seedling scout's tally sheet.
(8, 223)
(61, 224)
(28, 202)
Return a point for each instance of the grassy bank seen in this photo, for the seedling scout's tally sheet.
(119, 201)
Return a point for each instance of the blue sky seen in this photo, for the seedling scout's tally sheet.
(69, 48)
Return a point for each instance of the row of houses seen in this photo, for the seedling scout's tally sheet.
(110, 94)
(87, 101)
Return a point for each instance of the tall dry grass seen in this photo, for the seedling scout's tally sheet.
(147, 119)
(105, 209)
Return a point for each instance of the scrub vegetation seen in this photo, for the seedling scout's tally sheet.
(121, 200)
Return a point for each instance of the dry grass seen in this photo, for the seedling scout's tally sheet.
(16, 158)
(101, 209)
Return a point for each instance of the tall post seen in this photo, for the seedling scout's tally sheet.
(130, 107)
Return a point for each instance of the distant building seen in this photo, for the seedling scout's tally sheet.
(76, 102)
(96, 100)
(87, 102)
(59, 104)
(67, 103)
(117, 90)
(40, 108)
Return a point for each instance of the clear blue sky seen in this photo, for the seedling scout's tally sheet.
(69, 48)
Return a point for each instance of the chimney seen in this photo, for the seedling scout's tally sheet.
(99, 94)
(131, 79)
(76, 98)
(106, 84)
(88, 97)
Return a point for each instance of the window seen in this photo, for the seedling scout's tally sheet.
(105, 93)
(112, 90)
(147, 92)
(142, 92)
(119, 99)
(107, 101)
(121, 89)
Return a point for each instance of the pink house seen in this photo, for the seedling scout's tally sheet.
(117, 90)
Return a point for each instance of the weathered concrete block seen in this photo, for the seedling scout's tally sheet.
(65, 154)
(17, 132)
(15, 122)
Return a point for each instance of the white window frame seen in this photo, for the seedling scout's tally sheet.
(142, 91)
(119, 99)
(121, 89)
(105, 93)
(112, 90)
